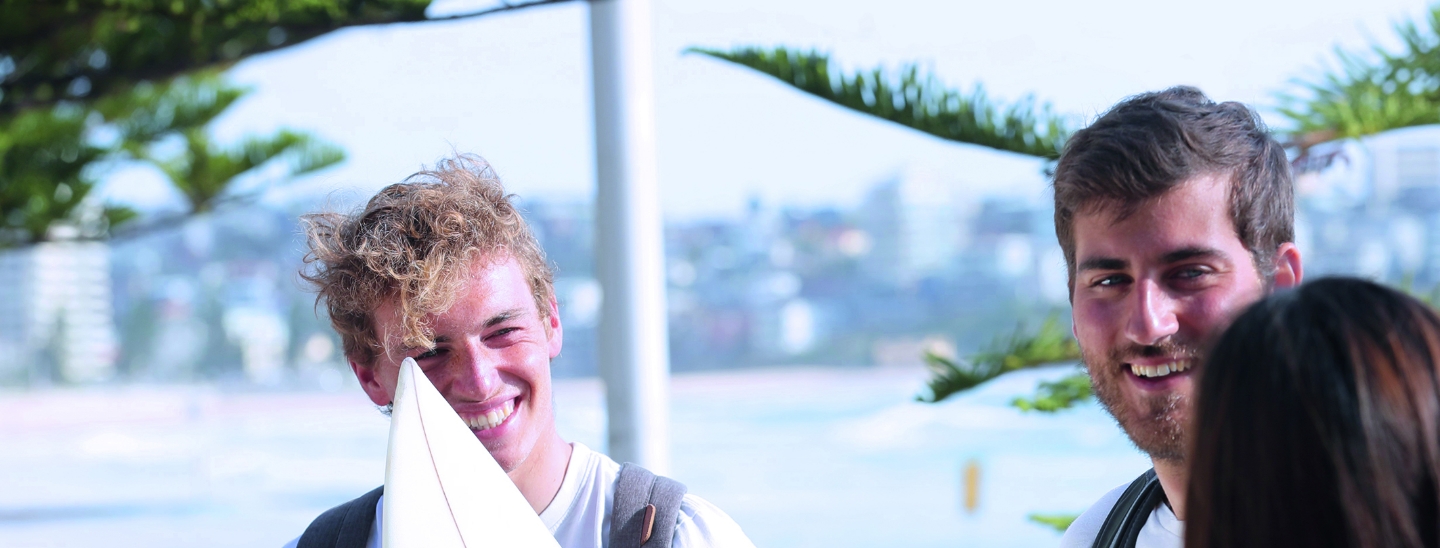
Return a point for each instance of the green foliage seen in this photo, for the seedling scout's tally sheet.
(915, 101)
(70, 69)
(58, 49)
(50, 158)
(43, 177)
(1371, 91)
(54, 50)
(1058, 522)
(1049, 345)
(200, 170)
(1052, 396)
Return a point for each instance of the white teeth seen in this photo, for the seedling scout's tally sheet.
(1160, 370)
(492, 419)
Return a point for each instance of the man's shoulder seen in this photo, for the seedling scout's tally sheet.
(702, 524)
(1082, 531)
(699, 523)
(1154, 534)
(347, 524)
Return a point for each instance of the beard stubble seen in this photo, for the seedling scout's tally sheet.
(1156, 424)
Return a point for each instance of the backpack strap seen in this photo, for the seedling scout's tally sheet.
(1130, 513)
(646, 509)
(345, 526)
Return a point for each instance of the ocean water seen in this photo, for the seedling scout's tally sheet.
(808, 456)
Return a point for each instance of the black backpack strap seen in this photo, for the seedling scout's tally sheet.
(1130, 513)
(344, 526)
(646, 509)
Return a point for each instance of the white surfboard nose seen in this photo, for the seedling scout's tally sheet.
(442, 487)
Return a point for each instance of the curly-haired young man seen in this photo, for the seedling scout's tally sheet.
(442, 268)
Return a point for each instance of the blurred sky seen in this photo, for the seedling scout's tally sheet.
(515, 88)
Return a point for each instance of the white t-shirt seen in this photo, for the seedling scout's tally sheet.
(579, 516)
(1161, 529)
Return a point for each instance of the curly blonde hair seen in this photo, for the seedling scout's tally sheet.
(413, 242)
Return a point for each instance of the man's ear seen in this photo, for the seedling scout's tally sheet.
(1289, 271)
(370, 383)
(554, 332)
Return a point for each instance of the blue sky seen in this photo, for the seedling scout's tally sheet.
(515, 89)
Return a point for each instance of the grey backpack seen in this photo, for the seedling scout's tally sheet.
(646, 509)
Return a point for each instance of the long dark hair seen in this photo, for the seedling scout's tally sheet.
(1317, 423)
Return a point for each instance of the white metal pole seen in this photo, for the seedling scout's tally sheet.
(629, 244)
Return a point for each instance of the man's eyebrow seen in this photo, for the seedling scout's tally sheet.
(503, 317)
(1188, 253)
(1101, 263)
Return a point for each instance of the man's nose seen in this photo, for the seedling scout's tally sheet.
(476, 376)
(1152, 314)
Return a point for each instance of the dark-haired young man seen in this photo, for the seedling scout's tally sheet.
(1174, 213)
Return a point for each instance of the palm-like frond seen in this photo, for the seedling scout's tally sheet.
(1052, 396)
(1051, 344)
(151, 111)
(53, 51)
(914, 100)
(205, 173)
(43, 154)
(1368, 92)
(1058, 522)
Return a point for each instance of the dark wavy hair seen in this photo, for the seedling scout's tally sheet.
(1151, 143)
(1317, 423)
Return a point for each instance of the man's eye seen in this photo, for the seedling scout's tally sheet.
(1110, 281)
(503, 332)
(428, 354)
(1191, 273)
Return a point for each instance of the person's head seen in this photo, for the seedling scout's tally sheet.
(443, 269)
(1317, 422)
(1174, 213)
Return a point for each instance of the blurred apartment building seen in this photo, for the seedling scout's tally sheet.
(1372, 208)
(219, 298)
(917, 218)
(56, 321)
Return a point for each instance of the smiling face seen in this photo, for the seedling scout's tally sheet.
(1149, 289)
(491, 361)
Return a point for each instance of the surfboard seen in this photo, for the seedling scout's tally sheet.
(442, 488)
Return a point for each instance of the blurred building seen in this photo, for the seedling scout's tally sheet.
(56, 321)
(916, 223)
(1371, 207)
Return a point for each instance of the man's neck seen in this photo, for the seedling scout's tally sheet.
(1173, 479)
(540, 476)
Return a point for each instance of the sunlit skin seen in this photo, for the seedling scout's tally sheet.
(1150, 289)
(491, 346)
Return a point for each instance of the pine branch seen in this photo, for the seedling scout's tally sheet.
(54, 51)
(1058, 522)
(1050, 345)
(1052, 396)
(914, 100)
(1370, 91)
